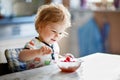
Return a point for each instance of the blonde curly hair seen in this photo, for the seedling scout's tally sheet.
(52, 13)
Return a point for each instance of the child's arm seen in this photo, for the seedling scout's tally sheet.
(27, 54)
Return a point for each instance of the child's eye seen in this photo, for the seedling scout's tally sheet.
(54, 31)
(61, 33)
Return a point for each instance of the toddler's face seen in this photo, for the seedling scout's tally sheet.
(51, 33)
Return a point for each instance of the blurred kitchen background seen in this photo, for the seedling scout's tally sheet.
(95, 25)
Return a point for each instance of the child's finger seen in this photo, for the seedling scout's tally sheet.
(46, 50)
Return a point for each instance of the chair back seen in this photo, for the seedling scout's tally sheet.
(14, 64)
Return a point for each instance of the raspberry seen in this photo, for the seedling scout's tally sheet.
(68, 58)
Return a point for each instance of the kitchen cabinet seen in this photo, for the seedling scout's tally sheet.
(17, 27)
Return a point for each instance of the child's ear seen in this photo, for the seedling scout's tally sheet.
(39, 29)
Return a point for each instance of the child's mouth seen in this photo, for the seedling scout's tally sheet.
(53, 40)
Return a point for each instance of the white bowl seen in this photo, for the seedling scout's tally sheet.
(69, 66)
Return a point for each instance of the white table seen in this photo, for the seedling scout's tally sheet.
(98, 66)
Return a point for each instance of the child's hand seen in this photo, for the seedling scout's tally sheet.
(45, 50)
